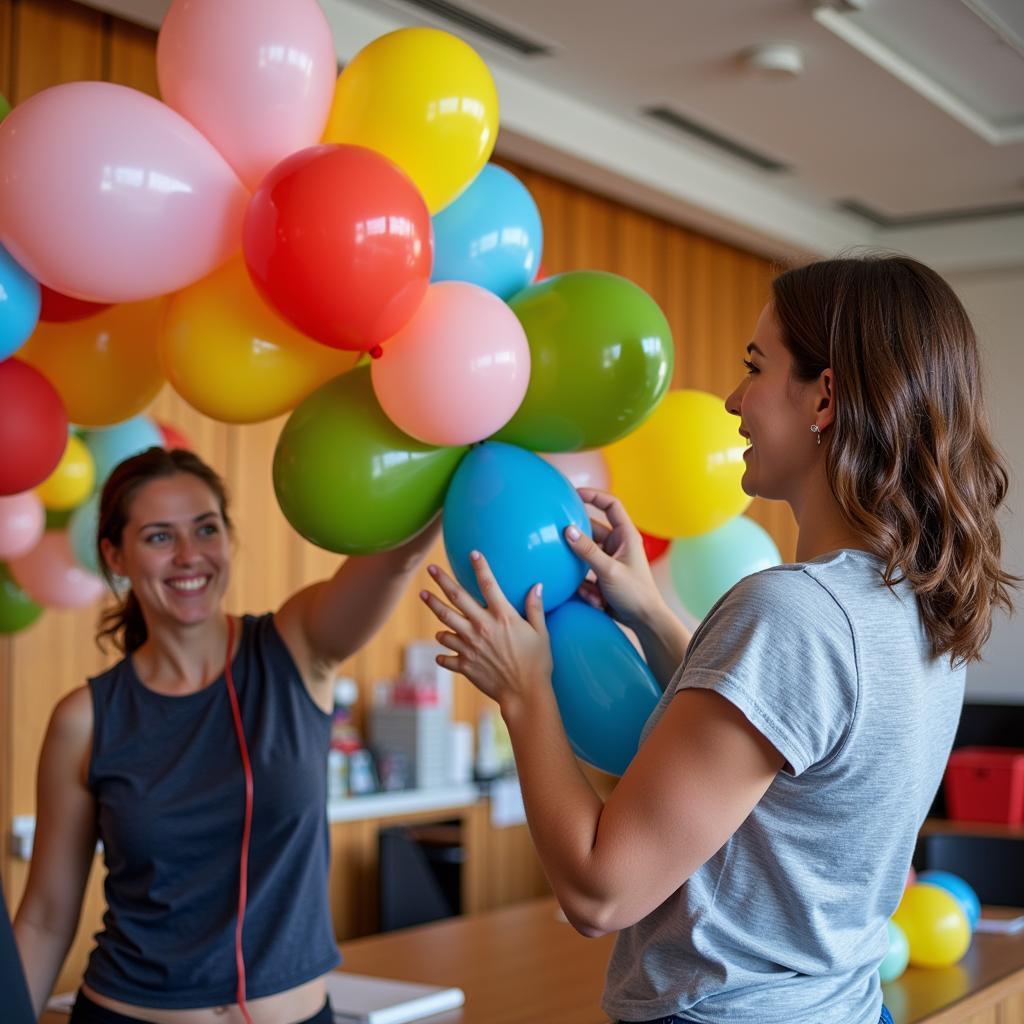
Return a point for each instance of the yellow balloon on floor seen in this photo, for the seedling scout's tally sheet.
(71, 482)
(233, 358)
(678, 473)
(426, 100)
(105, 368)
(935, 924)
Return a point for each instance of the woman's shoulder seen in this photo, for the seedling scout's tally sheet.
(72, 718)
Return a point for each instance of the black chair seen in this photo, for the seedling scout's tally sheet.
(992, 865)
(420, 874)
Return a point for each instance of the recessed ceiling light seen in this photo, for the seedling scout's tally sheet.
(783, 60)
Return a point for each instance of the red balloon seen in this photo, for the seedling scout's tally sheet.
(58, 308)
(33, 427)
(339, 241)
(654, 547)
(173, 437)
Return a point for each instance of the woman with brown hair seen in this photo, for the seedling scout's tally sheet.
(200, 760)
(754, 850)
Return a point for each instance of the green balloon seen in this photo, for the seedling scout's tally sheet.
(57, 518)
(348, 479)
(601, 359)
(17, 609)
(5, 107)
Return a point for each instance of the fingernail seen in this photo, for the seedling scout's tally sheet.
(537, 589)
(572, 533)
(423, 595)
(432, 569)
(475, 555)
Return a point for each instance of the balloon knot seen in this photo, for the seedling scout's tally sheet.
(376, 352)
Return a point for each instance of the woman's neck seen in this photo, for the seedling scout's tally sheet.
(177, 659)
(822, 526)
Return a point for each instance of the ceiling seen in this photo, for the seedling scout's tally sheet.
(905, 128)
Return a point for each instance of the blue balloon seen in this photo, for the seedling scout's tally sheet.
(19, 305)
(514, 507)
(112, 445)
(604, 689)
(956, 886)
(490, 236)
(82, 527)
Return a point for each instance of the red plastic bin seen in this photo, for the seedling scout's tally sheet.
(986, 784)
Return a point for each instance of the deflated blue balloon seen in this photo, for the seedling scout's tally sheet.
(604, 689)
(19, 304)
(514, 508)
(490, 236)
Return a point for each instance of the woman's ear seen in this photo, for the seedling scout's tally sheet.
(824, 408)
(112, 557)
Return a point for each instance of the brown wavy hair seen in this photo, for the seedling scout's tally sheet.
(123, 625)
(909, 458)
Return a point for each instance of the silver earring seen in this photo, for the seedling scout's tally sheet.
(815, 429)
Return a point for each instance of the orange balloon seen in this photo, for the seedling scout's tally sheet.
(229, 355)
(105, 368)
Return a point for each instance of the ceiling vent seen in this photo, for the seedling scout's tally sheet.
(677, 122)
(479, 26)
(881, 220)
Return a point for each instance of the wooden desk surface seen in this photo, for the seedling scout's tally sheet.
(524, 965)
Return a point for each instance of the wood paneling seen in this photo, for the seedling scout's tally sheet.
(711, 294)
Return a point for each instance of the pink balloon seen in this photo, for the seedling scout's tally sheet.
(256, 77)
(51, 576)
(459, 368)
(22, 521)
(110, 196)
(581, 469)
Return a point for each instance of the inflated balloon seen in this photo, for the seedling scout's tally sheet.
(33, 427)
(490, 236)
(425, 100)
(256, 77)
(581, 469)
(347, 479)
(106, 194)
(601, 357)
(171, 438)
(17, 609)
(56, 308)
(115, 444)
(458, 370)
(662, 575)
(51, 576)
(233, 358)
(72, 481)
(706, 565)
(958, 887)
(22, 521)
(82, 529)
(679, 474)
(19, 305)
(604, 689)
(654, 547)
(106, 368)
(895, 961)
(5, 107)
(337, 240)
(935, 925)
(513, 507)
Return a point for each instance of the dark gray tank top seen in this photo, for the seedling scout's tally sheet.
(166, 773)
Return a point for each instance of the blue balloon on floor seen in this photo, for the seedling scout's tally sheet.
(490, 236)
(954, 884)
(604, 689)
(514, 508)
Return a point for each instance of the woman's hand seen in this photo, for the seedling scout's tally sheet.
(624, 585)
(504, 655)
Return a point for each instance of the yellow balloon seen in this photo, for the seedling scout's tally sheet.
(71, 482)
(935, 925)
(678, 473)
(234, 359)
(105, 367)
(426, 100)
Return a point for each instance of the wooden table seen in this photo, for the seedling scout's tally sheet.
(524, 965)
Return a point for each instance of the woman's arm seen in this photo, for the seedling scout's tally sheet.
(692, 783)
(328, 621)
(63, 848)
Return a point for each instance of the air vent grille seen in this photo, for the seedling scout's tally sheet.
(497, 34)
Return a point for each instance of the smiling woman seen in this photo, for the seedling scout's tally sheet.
(200, 761)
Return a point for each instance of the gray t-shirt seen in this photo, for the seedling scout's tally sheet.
(786, 923)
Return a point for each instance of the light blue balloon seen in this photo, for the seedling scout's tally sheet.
(957, 887)
(112, 445)
(514, 507)
(604, 689)
(19, 305)
(705, 566)
(490, 236)
(895, 961)
(82, 528)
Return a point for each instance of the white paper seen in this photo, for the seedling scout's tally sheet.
(1001, 925)
(360, 998)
